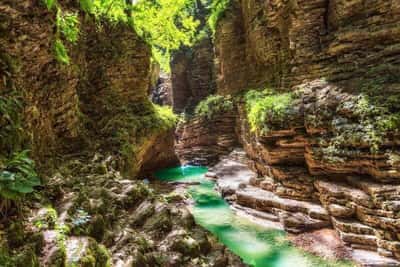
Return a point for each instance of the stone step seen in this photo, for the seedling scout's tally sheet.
(367, 240)
(373, 259)
(264, 200)
(294, 215)
(352, 226)
(256, 213)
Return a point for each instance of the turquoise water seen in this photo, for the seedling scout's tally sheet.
(256, 245)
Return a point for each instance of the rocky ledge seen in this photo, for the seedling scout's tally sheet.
(202, 141)
(360, 227)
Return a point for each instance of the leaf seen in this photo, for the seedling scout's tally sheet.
(7, 176)
(87, 6)
(49, 4)
(61, 52)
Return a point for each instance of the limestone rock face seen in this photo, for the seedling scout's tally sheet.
(161, 93)
(358, 189)
(192, 73)
(201, 141)
(87, 103)
(334, 53)
(282, 43)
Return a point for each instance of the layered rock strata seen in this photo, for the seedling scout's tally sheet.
(355, 189)
(192, 72)
(329, 152)
(93, 101)
(202, 141)
(283, 43)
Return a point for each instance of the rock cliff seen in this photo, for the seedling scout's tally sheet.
(192, 73)
(89, 102)
(328, 161)
(92, 131)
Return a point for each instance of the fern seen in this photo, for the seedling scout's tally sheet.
(18, 177)
(61, 52)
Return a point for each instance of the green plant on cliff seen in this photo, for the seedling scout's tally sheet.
(267, 108)
(132, 125)
(113, 11)
(374, 113)
(68, 25)
(18, 177)
(166, 25)
(213, 105)
(61, 52)
(17, 173)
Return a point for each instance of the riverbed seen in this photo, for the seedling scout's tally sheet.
(257, 245)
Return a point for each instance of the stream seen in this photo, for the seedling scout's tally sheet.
(257, 245)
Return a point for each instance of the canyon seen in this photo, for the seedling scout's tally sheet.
(294, 105)
(330, 53)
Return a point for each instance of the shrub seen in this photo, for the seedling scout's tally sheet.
(266, 109)
(213, 105)
(68, 25)
(18, 177)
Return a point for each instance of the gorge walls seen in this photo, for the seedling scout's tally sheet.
(88, 103)
(192, 71)
(284, 43)
(330, 155)
(341, 58)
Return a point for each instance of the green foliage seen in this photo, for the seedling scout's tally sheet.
(50, 3)
(213, 105)
(112, 10)
(376, 112)
(267, 108)
(61, 52)
(47, 219)
(218, 8)
(87, 6)
(17, 174)
(18, 177)
(68, 25)
(166, 25)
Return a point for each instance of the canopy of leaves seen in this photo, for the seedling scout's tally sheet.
(112, 10)
(166, 25)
